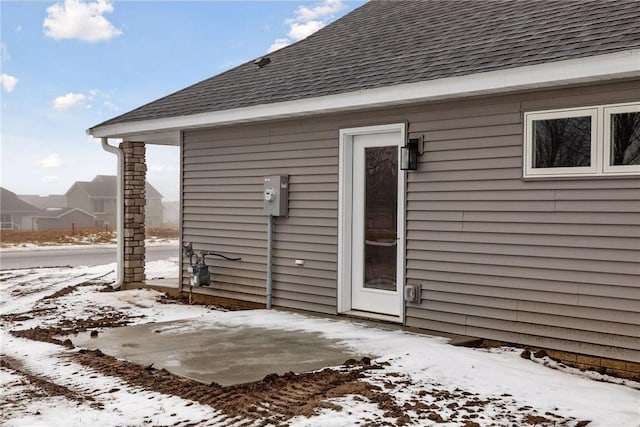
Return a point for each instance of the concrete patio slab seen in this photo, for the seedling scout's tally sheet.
(223, 354)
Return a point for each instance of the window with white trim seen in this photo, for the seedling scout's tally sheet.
(590, 141)
(622, 132)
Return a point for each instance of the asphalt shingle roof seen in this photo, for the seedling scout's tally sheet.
(10, 203)
(105, 186)
(45, 202)
(386, 43)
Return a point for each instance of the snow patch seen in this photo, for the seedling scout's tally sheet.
(411, 362)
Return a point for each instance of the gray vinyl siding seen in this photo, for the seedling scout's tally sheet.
(547, 262)
(551, 262)
(222, 211)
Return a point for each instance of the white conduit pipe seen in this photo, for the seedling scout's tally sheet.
(120, 211)
(269, 259)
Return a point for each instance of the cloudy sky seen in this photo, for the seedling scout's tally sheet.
(71, 64)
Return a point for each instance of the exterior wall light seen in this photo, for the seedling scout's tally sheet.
(409, 155)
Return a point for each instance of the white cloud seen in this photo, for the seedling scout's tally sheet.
(4, 52)
(52, 161)
(111, 106)
(8, 82)
(98, 93)
(302, 31)
(279, 44)
(75, 19)
(308, 20)
(68, 101)
(51, 179)
(94, 98)
(160, 167)
(321, 11)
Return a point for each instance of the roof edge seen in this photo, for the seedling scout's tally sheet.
(582, 70)
(67, 212)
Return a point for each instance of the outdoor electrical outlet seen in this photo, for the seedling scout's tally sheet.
(413, 293)
(300, 262)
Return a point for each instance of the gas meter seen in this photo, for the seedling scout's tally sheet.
(276, 195)
(199, 274)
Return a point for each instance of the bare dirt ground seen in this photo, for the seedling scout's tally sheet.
(276, 399)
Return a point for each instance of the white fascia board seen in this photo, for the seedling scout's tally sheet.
(583, 70)
(161, 137)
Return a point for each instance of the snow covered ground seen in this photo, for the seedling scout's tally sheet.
(30, 247)
(42, 386)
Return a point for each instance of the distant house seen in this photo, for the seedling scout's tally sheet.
(63, 219)
(170, 213)
(52, 201)
(98, 197)
(16, 214)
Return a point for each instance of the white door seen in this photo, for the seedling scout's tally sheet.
(377, 215)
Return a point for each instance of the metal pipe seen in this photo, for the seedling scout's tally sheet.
(119, 211)
(269, 260)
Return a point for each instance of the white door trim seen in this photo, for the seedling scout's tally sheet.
(345, 178)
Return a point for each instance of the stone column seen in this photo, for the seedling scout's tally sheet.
(135, 169)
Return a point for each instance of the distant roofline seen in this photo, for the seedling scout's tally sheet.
(10, 198)
(85, 186)
(618, 65)
(78, 184)
(64, 212)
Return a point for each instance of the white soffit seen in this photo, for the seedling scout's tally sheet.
(583, 70)
(164, 137)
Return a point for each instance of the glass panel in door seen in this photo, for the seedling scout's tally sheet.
(380, 217)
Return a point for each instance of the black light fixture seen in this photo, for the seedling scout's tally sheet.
(409, 155)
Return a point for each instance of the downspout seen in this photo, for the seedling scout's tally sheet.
(119, 211)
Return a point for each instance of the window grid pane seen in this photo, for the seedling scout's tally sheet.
(625, 139)
(564, 142)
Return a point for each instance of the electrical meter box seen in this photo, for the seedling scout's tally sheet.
(276, 195)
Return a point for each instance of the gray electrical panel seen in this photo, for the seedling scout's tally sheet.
(276, 195)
